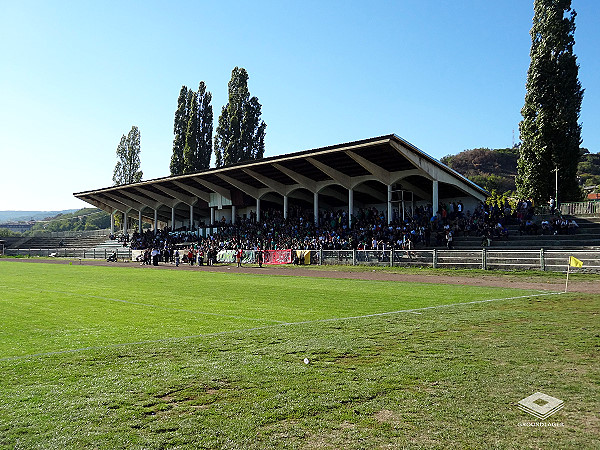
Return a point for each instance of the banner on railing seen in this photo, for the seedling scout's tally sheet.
(303, 256)
(228, 256)
(277, 256)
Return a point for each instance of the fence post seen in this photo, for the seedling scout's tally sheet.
(321, 256)
(542, 260)
(392, 257)
(353, 256)
(94, 253)
(435, 258)
(484, 258)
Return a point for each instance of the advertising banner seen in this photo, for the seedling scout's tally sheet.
(303, 256)
(228, 256)
(277, 256)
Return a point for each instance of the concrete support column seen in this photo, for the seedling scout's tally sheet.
(112, 222)
(191, 217)
(233, 213)
(350, 206)
(389, 203)
(155, 221)
(125, 222)
(316, 208)
(172, 218)
(258, 210)
(212, 216)
(140, 222)
(285, 206)
(435, 198)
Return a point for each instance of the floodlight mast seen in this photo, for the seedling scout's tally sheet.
(556, 187)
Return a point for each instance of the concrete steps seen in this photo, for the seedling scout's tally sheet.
(586, 236)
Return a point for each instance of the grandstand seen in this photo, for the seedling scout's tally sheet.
(375, 195)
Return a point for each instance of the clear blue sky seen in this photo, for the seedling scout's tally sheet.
(444, 75)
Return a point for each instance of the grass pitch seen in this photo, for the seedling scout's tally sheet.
(118, 357)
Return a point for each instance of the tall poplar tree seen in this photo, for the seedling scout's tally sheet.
(240, 134)
(127, 169)
(198, 139)
(205, 128)
(550, 132)
(190, 150)
(193, 129)
(180, 130)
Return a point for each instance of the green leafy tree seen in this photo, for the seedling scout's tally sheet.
(550, 132)
(179, 129)
(127, 169)
(240, 134)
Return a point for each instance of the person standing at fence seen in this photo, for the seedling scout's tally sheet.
(259, 257)
(238, 256)
(176, 258)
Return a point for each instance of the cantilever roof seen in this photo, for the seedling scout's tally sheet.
(365, 166)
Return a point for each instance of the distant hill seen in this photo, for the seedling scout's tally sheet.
(496, 169)
(16, 216)
(491, 169)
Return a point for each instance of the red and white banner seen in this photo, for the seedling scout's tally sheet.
(277, 256)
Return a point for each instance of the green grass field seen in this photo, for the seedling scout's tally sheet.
(124, 357)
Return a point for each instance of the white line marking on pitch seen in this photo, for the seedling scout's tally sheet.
(280, 324)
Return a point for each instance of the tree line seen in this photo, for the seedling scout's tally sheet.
(239, 136)
(550, 131)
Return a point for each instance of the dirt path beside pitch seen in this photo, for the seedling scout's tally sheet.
(493, 280)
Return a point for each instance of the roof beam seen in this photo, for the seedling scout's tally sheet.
(340, 178)
(306, 182)
(276, 186)
(131, 204)
(382, 175)
(250, 190)
(113, 204)
(202, 195)
(187, 199)
(437, 173)
(214, 187)
(143, 200)
(158, 197)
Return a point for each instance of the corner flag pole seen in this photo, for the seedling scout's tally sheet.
(575, 263)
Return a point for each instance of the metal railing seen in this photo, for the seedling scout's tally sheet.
(486, 259)
(550, 260)
(589, 208)
(83, 253)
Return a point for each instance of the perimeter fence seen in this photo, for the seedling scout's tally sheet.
(486, 259)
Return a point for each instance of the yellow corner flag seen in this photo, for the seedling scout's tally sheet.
(574, 262)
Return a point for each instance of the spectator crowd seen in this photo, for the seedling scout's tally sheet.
(369, 230)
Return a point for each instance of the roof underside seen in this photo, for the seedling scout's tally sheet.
(367, 167)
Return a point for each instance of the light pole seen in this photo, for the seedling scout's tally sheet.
(556, 188)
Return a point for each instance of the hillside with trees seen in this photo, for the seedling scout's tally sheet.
(86, 219)
(496, 169)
